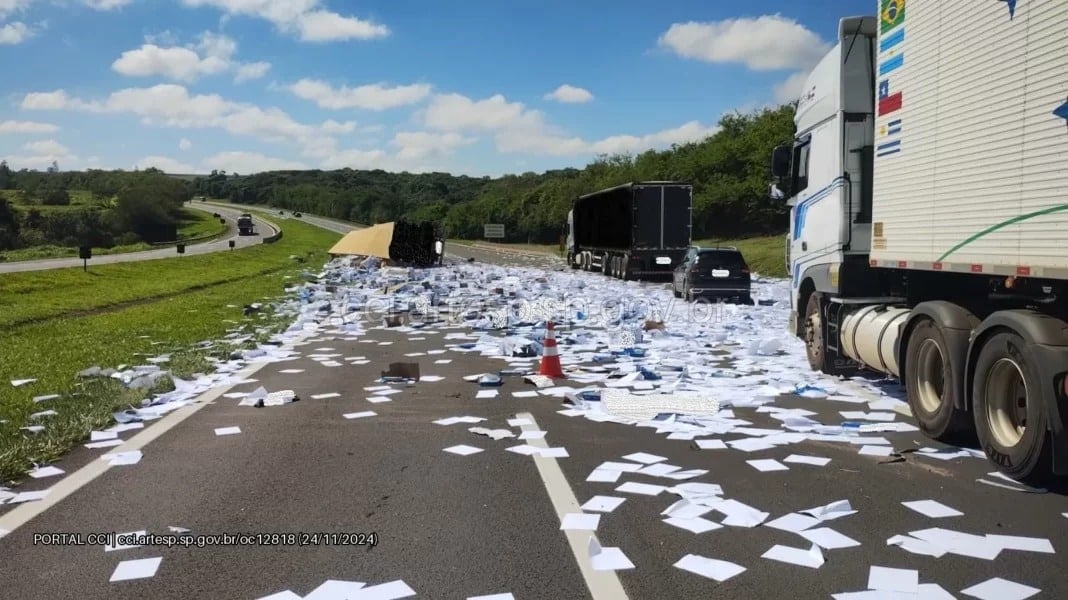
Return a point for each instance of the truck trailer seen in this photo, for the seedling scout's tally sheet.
(929, 218)
(245, 226)
(637, 230)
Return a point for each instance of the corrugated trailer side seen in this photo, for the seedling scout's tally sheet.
(970, 172)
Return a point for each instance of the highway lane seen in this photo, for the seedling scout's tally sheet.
(263, 229)
(454, 526)
(460, 526)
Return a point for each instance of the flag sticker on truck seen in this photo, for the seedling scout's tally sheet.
(888, 103)
(888, 148)
(892, 14)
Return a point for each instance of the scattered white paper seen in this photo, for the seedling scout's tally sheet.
(122, 459)
(378, 399)
(603, 504)
(695, 524)
(767, 464)
(291, 371)
(360, 415)
(604, 476)
(98, 436)
(828, 539)
(525, 394)
(21, 382)
(333, 589)
(493, 597)
(720, 570)
(28, 497)
(829, 512)
(455, 420)
(811, 558)
(1024, 544)
(386, 591)
(885, 579)
(284, 595)
(227, 430)
(933, 509)
(486, 394)
(41, 472)
(644, 458)
(558, 452)
(802, 459)
(136, 569)
(325, 396)
(644, 489)
(711, 444)
(463, 450)
(580, 522)
(607, 559)
(876, 450)
(793, 522)
(1000, 589)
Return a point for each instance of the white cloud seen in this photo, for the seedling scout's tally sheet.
(211, 55)
(301, 17)
(26, 127)
(15, 33)
(420, 145)
(165, 164)
(250, 71)
(48, 147)
(9, 7)
(171, 105)
(250, 162)
(517, 129)
(766, 43)
(106, 4)
(376, 96)
(184, 144)
(570, 94)
(791, 88)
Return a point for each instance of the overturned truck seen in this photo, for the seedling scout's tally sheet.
(404, 242)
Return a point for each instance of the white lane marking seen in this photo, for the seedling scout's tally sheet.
(71, 483)
(603, 585)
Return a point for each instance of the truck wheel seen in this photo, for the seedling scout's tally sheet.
(812, 332)
(932, 390)
(1010, 418)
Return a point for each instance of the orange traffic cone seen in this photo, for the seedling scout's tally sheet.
(550, 359)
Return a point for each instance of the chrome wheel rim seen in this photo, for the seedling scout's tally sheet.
(930, 381)
(1006, 402)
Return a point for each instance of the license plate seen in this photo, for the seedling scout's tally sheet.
(720, 273)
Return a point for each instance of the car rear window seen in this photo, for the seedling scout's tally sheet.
(722, 259)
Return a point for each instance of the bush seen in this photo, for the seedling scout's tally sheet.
(55, 197)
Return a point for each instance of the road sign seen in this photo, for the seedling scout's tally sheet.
(493, 230)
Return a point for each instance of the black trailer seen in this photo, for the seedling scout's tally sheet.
(245, 226)
(638, 230)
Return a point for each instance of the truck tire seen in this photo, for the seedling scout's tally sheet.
(812, 332)
(932, 390)
(1010, 418)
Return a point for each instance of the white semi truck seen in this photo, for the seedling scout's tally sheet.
(928, 186)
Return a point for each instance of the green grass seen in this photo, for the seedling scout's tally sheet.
(39, 295)
(196, 225)
(765, 255)
(168, 317)
(79, 199)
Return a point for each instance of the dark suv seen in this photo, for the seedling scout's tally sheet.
(713, 273)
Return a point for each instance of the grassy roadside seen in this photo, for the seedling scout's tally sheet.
(197, 225)
(163, 321)
(38, 295)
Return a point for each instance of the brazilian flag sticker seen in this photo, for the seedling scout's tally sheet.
(892, 14)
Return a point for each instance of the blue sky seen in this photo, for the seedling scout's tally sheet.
(479, 87)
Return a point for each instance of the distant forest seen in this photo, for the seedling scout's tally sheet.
(729, 172)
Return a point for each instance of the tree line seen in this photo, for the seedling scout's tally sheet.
(729, 172)
(123, 207)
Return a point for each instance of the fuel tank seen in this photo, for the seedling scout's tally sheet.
(870, 334)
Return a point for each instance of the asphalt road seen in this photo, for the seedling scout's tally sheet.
(262, 230)
(454, 526)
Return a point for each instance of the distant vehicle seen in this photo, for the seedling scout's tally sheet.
(713, 274)
(927, 228)
(296, 214)
(245, 226)
(632, 231)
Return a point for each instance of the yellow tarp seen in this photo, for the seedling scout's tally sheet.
(372, 241)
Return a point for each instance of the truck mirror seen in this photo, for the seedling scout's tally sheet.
(780, 161)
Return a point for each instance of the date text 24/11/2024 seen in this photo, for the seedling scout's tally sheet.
(201, 541)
